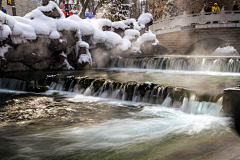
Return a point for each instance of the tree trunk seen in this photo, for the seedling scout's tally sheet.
(13, 8)
(1, 4)
(84, 7)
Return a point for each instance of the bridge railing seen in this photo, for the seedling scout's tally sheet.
(224, 16)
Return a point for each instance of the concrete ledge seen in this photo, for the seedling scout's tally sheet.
(218, 25)
(231, 101)
(197, 26)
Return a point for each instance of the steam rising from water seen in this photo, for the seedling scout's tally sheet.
(160, 124)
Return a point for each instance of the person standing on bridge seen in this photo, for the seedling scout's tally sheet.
(216, 8)
(235, 6)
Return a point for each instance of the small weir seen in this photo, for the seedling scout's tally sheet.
(148, 93)
(188, 63)
(158, 117)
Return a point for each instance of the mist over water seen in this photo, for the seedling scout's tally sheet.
(161, 124)
(221, 66)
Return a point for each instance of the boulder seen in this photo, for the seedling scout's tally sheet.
(16, 66)
(46, 64)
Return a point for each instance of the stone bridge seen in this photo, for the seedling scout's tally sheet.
(197, 34)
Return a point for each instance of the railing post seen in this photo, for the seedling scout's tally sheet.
(184, 18)
(167, 20)
(222, 13)
(202, 17)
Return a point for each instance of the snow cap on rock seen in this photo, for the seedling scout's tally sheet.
(118, 25)
(104, 22)
(145, 18)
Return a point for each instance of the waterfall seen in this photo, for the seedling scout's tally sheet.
(148, 93)
(13, 84)
(131, 91)
(213, 64)
(195, 107)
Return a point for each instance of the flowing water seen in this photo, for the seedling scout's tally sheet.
(156, 124)
(182, 65)
(156, 131)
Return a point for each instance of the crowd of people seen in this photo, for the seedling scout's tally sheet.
(216, 9)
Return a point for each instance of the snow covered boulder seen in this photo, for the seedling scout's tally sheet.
(58, 44)
(130, 23)
(83, 56)
(112, 39)
(145, 20)
(51, 9)
(119, 28)
(131, 35)
(105, 24)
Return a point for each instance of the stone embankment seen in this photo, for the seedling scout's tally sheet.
(22, 7)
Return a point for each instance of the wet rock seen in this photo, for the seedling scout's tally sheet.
(58, 44)
(129, 89)
(46, 64)
(97, 84)
(39, 89)
(17, 66)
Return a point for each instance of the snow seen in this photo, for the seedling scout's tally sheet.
(51, 5)
(112, 39)
(132, 33)
(148, 37)
(136, 26)
(104, 22)
(148, 83)
(54, 35)
(68, 66)
(85, 26)
(98, 37)
(118, 25)
(144, 38)
(145, 18)
(126, 44)
(63, 54)
(81, 44)
(226, 51)
(129, 21)
(83, 58)
(4, 49)
(36, 24)
(5, 32)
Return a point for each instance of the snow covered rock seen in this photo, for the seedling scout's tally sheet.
(112, 39)
(105, 24)
(119, 28)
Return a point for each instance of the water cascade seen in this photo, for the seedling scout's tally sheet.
(213, 64)
(147, 93)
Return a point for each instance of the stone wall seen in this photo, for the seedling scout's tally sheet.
(22, 6)
(179, 42)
